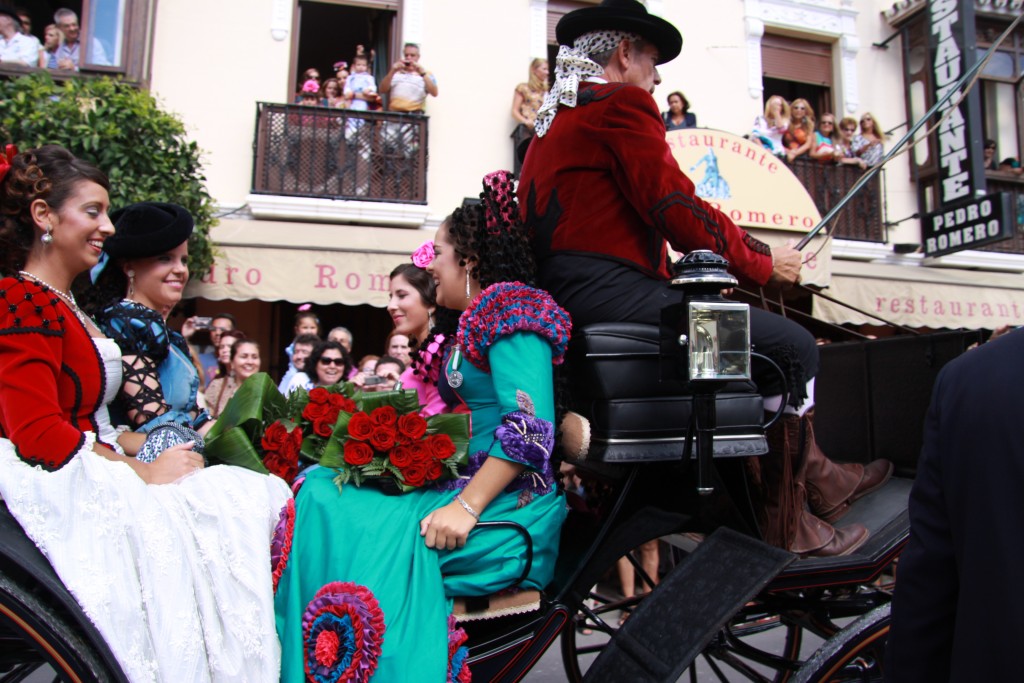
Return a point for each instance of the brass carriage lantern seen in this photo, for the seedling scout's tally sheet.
(713, 336)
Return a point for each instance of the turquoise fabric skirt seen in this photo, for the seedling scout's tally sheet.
(362, 536)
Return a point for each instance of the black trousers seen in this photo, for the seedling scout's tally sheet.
(597, 290)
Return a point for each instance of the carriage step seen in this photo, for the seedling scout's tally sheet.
(694, 601)
(495, 606)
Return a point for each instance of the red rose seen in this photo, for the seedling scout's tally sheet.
(336, 400)
(441, 446)
(383, 438)
(434, 470)
(385, 416)
(357, 453)
(319, 395)
(360, 427)
(332, 414)
(283, 467)
(292, 444)
(315, 411)
(412, 426)
(401, 456)
(349, 406)
(323, 428)
(421, 452)
(274, 437)
(415, 474)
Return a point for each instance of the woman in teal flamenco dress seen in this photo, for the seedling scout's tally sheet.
(365, 580)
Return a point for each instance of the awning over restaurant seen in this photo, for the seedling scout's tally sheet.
(305, 262)
(918, 296)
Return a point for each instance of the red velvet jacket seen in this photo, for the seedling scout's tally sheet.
(604, 182)
(51, 377)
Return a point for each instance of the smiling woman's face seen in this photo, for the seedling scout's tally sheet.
(160, 280)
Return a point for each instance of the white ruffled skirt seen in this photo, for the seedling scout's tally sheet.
(176, 577)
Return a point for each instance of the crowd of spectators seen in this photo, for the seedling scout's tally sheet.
(59, 48)
(788, 131)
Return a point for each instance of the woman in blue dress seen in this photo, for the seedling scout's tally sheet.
(140, 279)
(368, 584)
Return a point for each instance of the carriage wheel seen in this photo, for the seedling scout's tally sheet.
(34, 637)
(857, 653)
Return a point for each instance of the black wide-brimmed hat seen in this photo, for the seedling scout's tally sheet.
(12, 13)
(148, 229)
(622, 15)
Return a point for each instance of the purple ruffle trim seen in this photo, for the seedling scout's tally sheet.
(526, 439)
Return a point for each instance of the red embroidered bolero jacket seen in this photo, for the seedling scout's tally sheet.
(51, 376)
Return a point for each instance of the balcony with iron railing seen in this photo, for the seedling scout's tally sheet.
(862, 218)
(316, 152)
(998, 181)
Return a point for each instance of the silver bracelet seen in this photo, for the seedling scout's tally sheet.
(466, 507)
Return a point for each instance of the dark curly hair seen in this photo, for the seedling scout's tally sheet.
(314, 360)
(49, 173)
(490, 231)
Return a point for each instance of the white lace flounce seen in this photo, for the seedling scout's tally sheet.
(176, 577)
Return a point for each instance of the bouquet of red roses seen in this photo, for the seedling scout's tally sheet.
(378, 436)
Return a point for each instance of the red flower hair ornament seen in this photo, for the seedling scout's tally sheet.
(10, 151)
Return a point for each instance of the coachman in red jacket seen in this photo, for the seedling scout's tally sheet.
(605, 199)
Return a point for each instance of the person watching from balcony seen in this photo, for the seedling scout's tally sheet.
(69, 54)
(1010, 165)
(53, 38)
(341, 72)
(307, 76)
(332, 95)
(869, 144)
(408, 83)
(800, 137)
(15, 46)
(990, 163)
(605, 199)
(769, 128)
(310, 94)
(846, 151)
(25, 26)
(360, 86)
(825, 140)
(678, 115)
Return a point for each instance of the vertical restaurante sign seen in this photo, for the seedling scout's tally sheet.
(954, 50)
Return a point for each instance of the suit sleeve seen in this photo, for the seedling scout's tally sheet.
(924, 608)
(651, 180)
(31, 359)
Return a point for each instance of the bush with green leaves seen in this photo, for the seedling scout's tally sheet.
(143, 149)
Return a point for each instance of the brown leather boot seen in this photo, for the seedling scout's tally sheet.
(832, 486)
(788, 523)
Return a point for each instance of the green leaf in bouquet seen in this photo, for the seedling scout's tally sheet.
(234, 436)
(402, 400)
(455, 425)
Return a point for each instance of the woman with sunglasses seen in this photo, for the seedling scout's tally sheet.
(328, 364)
(825, 139)
(800, 136)
(846, 149)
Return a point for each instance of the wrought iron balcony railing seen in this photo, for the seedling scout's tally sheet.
(340, 154)
(827, 183)
(1000, 182)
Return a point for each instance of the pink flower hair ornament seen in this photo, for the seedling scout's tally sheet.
(424, 254)
(311, 86)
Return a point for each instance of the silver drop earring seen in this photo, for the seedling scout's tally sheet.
(467, 283)
(47, 237)
(131, 283)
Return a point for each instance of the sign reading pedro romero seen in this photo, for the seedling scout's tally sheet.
(968, 224)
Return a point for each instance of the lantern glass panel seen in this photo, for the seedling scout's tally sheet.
(719, 340)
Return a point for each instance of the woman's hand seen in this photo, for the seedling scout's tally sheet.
(173, 464)
(188, 328)
(447, 528)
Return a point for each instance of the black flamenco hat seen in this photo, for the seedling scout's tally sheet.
(147, 229)
(622, 15)
(12, 13)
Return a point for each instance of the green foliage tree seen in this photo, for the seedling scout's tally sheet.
(144, 150)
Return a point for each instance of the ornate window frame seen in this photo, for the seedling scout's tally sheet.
(831, 18)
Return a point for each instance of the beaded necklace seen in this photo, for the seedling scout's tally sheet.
(68, 298)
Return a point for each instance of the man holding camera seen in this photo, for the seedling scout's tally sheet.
(408, 83)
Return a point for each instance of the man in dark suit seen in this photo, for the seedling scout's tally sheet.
(958, 605)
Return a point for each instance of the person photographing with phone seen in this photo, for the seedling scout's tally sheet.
(408, 82)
